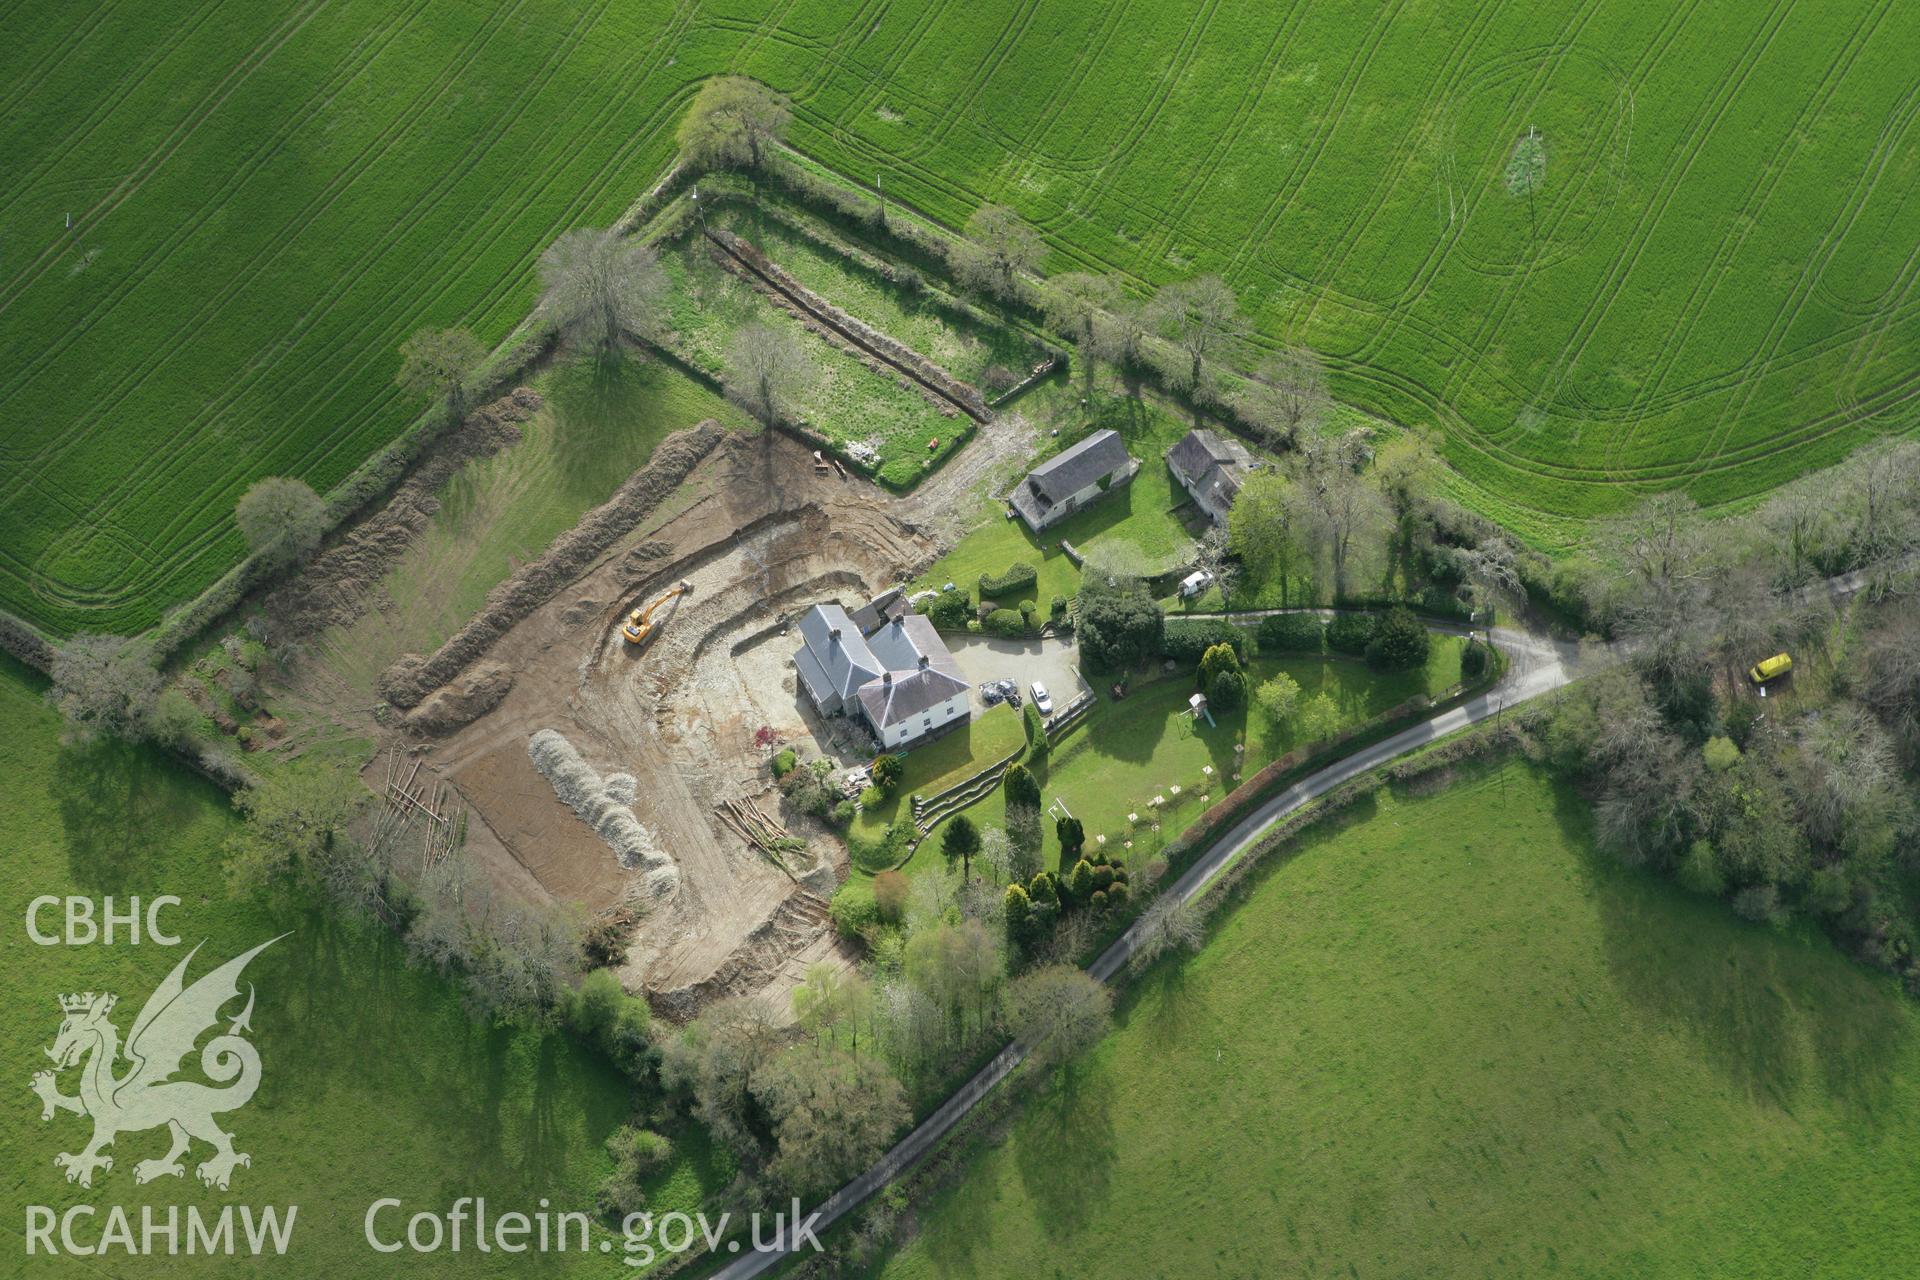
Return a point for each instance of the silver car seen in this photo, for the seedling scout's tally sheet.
(1041, 701)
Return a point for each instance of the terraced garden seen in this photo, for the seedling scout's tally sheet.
(1445, 1036)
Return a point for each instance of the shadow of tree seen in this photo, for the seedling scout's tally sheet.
(112, 798)
(1773, 1012)
(1065, 1147)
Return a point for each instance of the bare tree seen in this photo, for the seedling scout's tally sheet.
(1892, 670)
(438, 362)
(596, 286)
(1660, 604)
(1286, 396)
(1346, 513)
(105, 685)
(1171, 923)
(1058, 1012)
(733, 121)
(1000, 246)
(1213, 554)
(767, 369)
(1882, 486)
(1202, 317)
(1796, 522)
(717, 1058)
(1846, 774)
(1076, 304)
(282, 519)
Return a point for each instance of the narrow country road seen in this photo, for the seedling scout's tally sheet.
(1534, 666)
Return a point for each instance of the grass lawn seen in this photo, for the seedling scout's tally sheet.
(964, 347)
(1449, 1039)
(843, 400)
(943, 762)
(375, 1080)
(1131, 750)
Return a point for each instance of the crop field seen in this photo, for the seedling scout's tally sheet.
(1480, 1049)
(1713, 285)
(376, 1081)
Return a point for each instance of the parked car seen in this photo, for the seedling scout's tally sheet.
(1042, 702)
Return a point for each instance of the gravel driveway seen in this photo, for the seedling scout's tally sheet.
(1053, 662)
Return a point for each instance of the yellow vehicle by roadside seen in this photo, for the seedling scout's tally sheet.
(1770, 668)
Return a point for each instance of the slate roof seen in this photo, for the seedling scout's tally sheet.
(1070, 471)
(833, 667)
(924, 672)
(888, 701)
(1212, 463)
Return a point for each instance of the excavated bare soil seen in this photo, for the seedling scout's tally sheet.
(762, 537)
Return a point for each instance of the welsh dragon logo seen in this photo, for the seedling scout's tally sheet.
(145, 1096)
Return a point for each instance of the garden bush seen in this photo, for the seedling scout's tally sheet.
(1350, 633)
(1006, 623)
(1399, 643)
(1292, 633)
(950, 610)
(1036, 731)
(1019, 576)
(784, 762)
(1186, 641)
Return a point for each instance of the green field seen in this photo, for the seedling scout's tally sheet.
(375, 1080)
(1714, 286)
(1449, 1039)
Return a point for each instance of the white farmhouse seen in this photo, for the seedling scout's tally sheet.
(1071, 479)
(901, 680)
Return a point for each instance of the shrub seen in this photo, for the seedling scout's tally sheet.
(1227, 691)
(1118, 629)
(885, 771)
(1279, 698)
(591, 1010)
(1350, 633)
(951, 610)
(841, 814)
(1187, 641)
(1072, 834)
(1292, 633)
(1699, 870)
(1720, 754)
(1759, 903)
(890, 892)
(1057, 607)
(1218, 659)
(1020, 787)
(1036, 731)
(855, 911)
(1474, 660)
(1399, 642)
(1005, 623)
(1019, 576)
(783, 763)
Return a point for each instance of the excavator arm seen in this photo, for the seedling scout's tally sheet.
(640, 621)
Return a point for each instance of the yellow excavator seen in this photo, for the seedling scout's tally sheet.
(640, 621)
